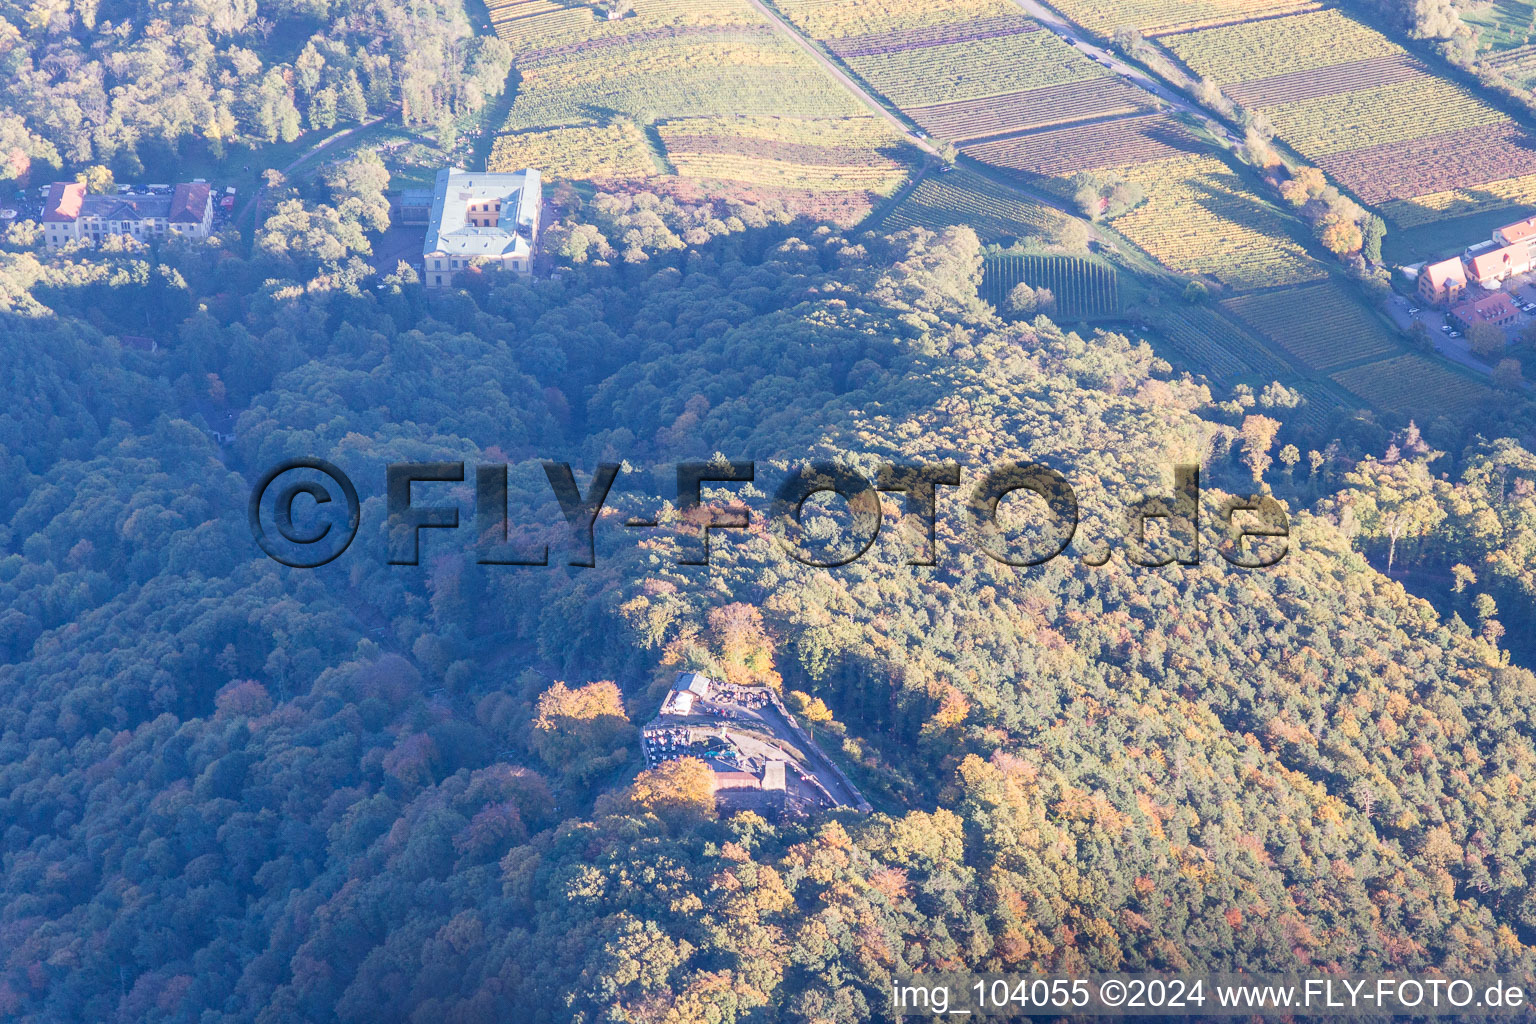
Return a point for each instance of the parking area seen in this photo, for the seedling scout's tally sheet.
(1448, 338)
(28, 203)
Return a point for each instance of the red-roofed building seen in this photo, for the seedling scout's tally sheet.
(1495, 266)
(1521, 231)
(1496, 309)
(71, 214)
(1443, 283)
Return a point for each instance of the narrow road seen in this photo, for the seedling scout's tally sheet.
(791, 33)
(304, 158)
(1457, 350)
(1064, 28)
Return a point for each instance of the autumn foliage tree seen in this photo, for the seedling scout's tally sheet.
(583, 732)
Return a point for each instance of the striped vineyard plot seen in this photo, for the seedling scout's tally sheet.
(750, 71)
(1379, 116)
(1213, 345)
(1031, 108)
(1461, 202)
(966, 71)
(1200, 218)
(848, 19)
(831, 155)
(1321, 325)
(1296, 86)
(1082, 288)
(960, 197)
(1450, 160)
(1120, 142)
(1412, 385)
(1261, 49)
(899, 40)
(616, 151)
(1154, 17)
(517, 20)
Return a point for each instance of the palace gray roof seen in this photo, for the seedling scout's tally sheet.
(449, 231)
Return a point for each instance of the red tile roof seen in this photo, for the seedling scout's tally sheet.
(189, 203)
(1510, 258)
(1519, 231)
(64, 200)
(1446, 272)
(1490, 308)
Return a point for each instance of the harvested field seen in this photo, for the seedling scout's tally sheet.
(1310, 85)
(1121, 142)
(1032, 108)
(783, 153)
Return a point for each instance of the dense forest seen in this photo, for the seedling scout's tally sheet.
(232, 790)
(86, 81)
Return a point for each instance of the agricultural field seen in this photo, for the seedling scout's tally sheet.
(520, 20)
(1415, 145)
(1517, 65)
(961, 197)
(1155, 17)
(1120, 142)
(1253, 50)
(949, 72)
(1082, 287)
(1213, 345)
(750, 71)
(899, 40)
(594, 152)
(1411, 385)
(1462, 202)
(845, 19)
(1029, 109)
(1321, 325)
(649, 97)
(837, 154)
(1438, 163)
(1296, 86)
(1382, 115)
(1200, 218)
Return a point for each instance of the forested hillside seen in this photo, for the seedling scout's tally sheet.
(105, 81)
(238, 791)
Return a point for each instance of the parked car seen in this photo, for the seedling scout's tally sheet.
(1455, 334)
(1413, 310)
(1445, 327)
